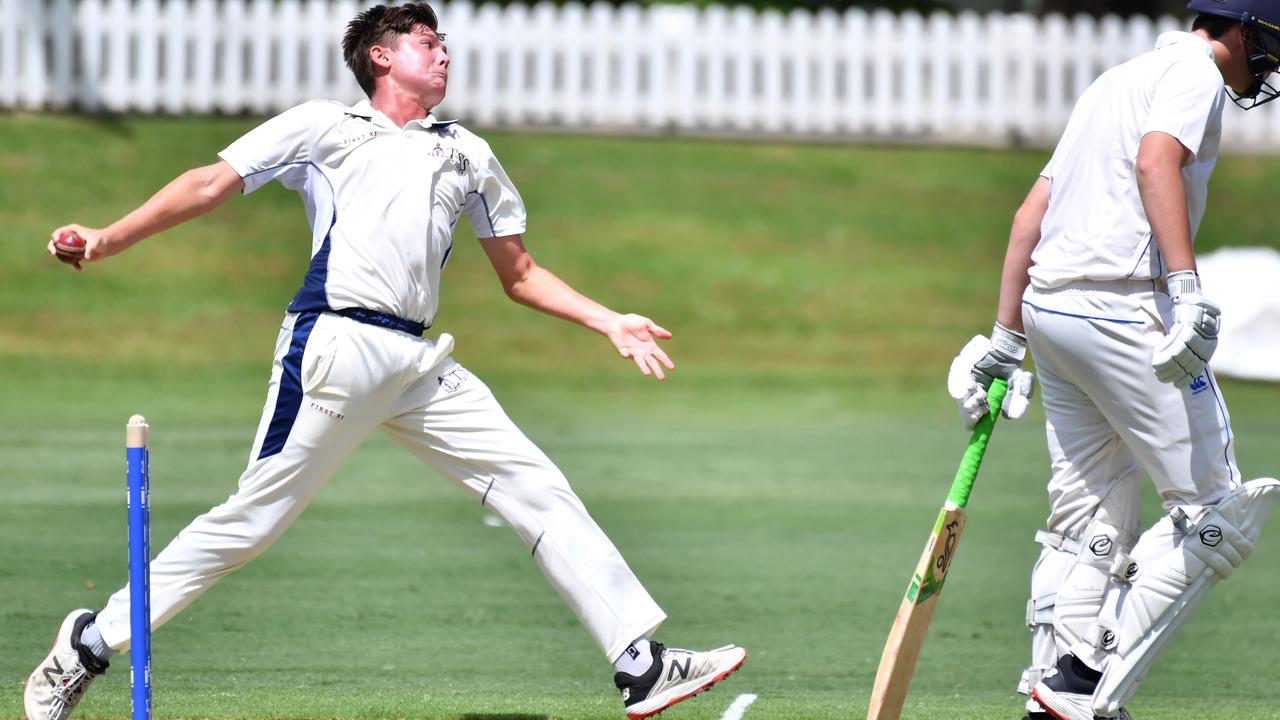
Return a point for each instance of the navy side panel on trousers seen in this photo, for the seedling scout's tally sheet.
(289, 396)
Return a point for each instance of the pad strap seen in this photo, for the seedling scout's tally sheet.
(1030, 678)
(1058, 542)
(1039, 612)
(1124, 569)
(1102, 638)
(1180, 520)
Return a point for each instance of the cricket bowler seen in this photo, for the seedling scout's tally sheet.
(384, 183)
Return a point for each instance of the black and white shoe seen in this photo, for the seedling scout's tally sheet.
(674, 676)
(57, 684)
(1068, 694)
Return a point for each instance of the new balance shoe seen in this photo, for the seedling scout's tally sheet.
(674, 676)
(57, 684)
(1124, 715)
(1068, 694)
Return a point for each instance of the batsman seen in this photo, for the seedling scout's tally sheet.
(1100, 284)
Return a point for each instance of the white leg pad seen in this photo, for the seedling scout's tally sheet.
(1046, 578)
(1084, 590)
(1170, 584)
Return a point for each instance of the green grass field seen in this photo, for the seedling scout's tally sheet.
(774, 492)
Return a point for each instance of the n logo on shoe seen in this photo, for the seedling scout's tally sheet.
(51, 674)
(675, 666)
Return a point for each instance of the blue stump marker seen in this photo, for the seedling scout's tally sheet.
(138, 474)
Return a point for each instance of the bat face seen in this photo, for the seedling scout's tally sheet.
(898, 662)
(939, 552)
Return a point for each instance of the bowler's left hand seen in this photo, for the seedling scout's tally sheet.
(634, 337)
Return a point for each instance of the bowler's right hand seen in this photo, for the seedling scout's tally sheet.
(95, 245)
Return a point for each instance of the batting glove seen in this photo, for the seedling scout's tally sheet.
(1191, 341)
(1005, 351)
(980, 363)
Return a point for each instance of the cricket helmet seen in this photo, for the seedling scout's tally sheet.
(1262, 43)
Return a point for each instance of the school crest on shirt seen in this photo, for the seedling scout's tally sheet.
(453, 158)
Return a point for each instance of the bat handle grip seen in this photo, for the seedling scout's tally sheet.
(968, 472)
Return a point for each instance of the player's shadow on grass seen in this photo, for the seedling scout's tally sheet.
(502, 716)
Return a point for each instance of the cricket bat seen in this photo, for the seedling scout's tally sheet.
(901, 650)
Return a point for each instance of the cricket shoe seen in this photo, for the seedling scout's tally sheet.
(57, 684)
(1124, 715)
(675, 675)
(1068, 694)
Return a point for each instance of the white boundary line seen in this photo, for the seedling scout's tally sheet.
(738, 707)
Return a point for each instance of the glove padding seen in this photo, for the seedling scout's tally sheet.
(1004, 354)
(964, 385)
(1190, 342)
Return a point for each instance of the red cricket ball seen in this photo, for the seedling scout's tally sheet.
(69, 247)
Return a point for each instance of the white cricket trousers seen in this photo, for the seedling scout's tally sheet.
(1107, 416)
(333, 381)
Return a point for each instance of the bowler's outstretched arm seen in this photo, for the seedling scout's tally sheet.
(532, 285)
(190, 195)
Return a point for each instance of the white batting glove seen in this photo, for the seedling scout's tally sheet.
(1004, 353)
(983, 359)
(1191, 341)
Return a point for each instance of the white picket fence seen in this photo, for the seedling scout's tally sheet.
(994, 79)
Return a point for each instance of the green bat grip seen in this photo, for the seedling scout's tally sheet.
(968, 472)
